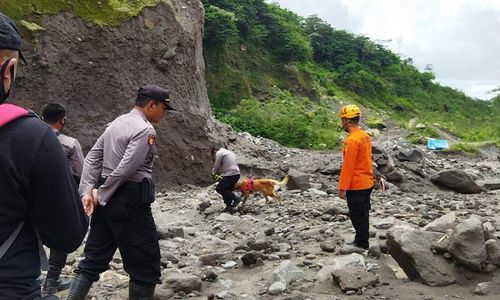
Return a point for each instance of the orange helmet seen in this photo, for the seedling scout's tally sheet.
(350, 111)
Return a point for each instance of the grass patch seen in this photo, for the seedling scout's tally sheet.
(463, 148)
(292, 121)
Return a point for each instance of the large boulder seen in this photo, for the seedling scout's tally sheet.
(412, 250)
(442, 224)
(298, 180)
(467, 244)
(96, 70)
(456, 180)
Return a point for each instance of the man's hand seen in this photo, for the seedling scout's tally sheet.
(90, 202)
(342, 194)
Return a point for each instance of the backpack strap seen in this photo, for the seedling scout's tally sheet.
(8, 242)
(11, 112)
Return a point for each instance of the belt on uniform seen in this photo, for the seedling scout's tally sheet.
(130, 185)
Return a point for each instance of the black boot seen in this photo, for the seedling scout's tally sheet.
(140, 292)
(79, 288)
(53, 285)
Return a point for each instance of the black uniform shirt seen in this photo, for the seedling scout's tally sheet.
(36, 186)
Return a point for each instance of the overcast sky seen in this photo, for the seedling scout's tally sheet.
(459, 38)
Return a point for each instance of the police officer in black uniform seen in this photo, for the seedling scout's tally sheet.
(120, 164)
(33, 170)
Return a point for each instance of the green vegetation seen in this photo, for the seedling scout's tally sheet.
(100, 12)
(267, 52)
(463, 148)
(289, 120)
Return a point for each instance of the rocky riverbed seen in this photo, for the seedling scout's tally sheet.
(434, 234)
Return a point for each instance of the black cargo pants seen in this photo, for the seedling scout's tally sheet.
(126, 223)
(225, 187)
(358, 202)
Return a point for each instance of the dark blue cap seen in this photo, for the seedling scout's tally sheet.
(10, 37)
(157, 93)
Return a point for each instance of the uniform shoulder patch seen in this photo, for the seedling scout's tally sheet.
(151, 139)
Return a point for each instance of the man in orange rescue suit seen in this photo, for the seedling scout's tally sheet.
(117, 190)
(356, 177)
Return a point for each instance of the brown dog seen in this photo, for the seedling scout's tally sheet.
(267, 187)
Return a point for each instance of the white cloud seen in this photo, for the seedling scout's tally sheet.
(459, 38)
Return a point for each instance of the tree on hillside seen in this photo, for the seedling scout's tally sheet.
(220, 27)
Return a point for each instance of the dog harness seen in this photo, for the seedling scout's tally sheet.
(247, 187)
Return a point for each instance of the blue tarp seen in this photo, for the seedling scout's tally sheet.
(435, 144)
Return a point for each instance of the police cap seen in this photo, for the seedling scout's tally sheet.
(156, 93)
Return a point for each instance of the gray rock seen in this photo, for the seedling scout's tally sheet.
(230, 264)
(484, 288)
(285, 255)
(349, 249)
(211, 259)
(354, 278)
(277, 288)
(412, 250)
(269, 231)
(354, 260)
(490, 184)
(394, 176)
(259, 245)
(298, 180)
(467, 244)
(489, 231)
(250, 258)
(456, 180)
(286, 273)
(385, 223)
(328, 246)
(410, 155)
(162, 293)
(182, 282)
(493, 251)
(211, 275)
(442, 224)
(375, 251)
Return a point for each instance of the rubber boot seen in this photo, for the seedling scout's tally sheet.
(140, 292)
(53, 285)
(79, 288)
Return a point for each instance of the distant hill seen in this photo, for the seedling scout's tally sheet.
(263, 60)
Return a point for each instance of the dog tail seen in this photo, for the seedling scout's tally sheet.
(283, 182)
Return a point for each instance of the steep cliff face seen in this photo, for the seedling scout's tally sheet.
(95, 71)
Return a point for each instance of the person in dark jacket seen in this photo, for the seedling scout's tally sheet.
(39, 200)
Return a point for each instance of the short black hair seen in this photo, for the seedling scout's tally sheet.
(53, 112)
(354, 120)
(141, 101)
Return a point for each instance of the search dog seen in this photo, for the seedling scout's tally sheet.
(267, 187)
